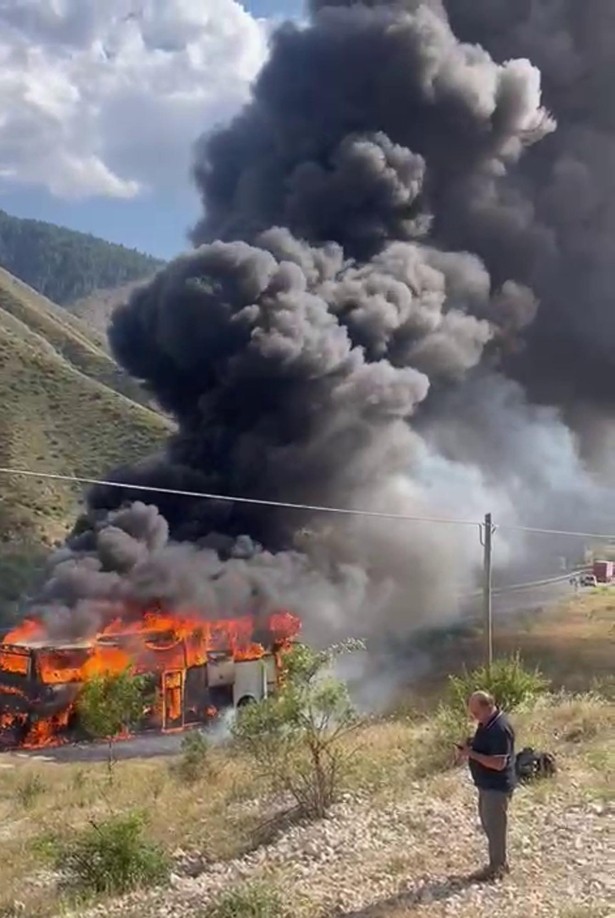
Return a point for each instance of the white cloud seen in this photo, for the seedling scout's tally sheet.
(106, 97)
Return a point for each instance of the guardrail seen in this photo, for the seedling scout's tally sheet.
(519, 587)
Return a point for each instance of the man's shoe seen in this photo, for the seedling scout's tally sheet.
(490, 873)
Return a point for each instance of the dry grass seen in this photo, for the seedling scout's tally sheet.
(221, 814)
(573, 643)
(205, 816)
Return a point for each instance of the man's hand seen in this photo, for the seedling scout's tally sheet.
(462, 751)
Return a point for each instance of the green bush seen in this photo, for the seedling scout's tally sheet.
(297, 736)
(250, 900)
(29, 790)
(435, 750)
(604, 687)
(507, 680)
(195, 762)
(110, 703)
(112, 857)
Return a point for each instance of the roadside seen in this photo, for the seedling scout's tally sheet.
(406, 848)
(405, 830)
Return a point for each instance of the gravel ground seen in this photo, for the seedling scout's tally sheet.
(372, 859)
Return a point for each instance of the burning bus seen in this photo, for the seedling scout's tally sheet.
(195, 669)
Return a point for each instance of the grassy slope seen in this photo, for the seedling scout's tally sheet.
(572, 642)
(96, 309)
(63, 409)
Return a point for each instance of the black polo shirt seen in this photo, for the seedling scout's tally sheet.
(496, 737)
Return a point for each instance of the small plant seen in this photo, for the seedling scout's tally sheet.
(45, 847)
(435, 750)
(112, 857)
(251, 900)
(157, 785)
(14, 910)
(29, 790)
(195, 761)
(296, 737)
(604, 687)
(109, 704)
(79, 780)
(507, 680)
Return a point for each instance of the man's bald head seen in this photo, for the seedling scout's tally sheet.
(481, 706)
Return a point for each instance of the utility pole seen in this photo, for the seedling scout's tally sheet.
(487, 608)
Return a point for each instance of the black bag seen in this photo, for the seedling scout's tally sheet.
(531, 765)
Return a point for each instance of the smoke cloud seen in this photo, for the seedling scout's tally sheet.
(397, 301)
(564, 193)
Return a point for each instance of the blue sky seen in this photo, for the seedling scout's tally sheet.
(87, 138)
(285, 8)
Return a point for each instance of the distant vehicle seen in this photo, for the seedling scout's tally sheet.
(588, 580)
(603, 571)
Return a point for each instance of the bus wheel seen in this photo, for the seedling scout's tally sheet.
(245, 700)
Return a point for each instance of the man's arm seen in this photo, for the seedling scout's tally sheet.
(494, 762)
(501, 752)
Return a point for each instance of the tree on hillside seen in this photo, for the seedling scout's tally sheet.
(65, 265)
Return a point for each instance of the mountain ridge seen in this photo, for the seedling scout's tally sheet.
(66, 265)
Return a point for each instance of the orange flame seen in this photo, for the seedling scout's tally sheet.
(28, 630)
(154, 642)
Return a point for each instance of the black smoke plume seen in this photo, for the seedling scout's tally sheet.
(398, 247)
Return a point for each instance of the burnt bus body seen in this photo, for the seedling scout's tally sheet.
(40, 682)
(26, 696)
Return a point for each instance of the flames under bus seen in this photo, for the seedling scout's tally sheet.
(193, 669)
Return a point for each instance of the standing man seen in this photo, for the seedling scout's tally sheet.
(491, 757)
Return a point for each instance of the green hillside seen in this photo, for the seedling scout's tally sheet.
(65, 265)
(63, 409)
(96, 309)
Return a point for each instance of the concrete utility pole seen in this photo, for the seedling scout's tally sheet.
(487, 607)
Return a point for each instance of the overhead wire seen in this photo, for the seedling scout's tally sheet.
(240, 500)
(314, 508)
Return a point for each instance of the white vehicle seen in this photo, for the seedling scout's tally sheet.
(254, 680)
(588, 580)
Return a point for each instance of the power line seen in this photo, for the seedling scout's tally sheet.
(314, 508)
(557, 532)
(239, 500)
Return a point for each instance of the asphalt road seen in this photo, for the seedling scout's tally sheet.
(507, 603)
(140, 746)
(143, 746)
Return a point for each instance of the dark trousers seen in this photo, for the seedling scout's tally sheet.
(493, 812)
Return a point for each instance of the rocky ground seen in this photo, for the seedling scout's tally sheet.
(409, 855)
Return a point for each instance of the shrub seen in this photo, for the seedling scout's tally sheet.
(435, 749)
(195, 761)
(508, 680)
(28, 790)
(296, 736)
(111, 703)
(604, 687)
(112, 857)
(251, 900)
